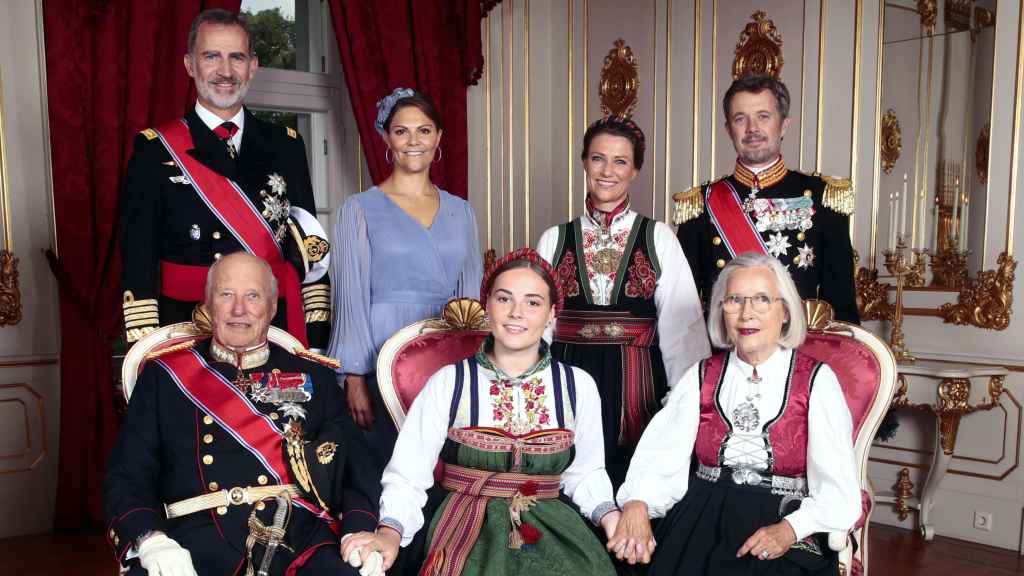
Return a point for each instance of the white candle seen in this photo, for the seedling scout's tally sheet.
(891, 238)
(903, 211)
(935, 227)
(964, 218)
(956, 207)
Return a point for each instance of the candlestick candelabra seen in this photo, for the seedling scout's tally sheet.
(949, 265)
(897, 265)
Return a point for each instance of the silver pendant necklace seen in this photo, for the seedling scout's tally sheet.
(746, 416)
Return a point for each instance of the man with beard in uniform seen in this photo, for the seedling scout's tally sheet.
(217, 181)
(801, 219)
(237, 455)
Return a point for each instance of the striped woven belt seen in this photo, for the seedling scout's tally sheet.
(463, 516)
(233, 497)
(635, 336)
(774, 483)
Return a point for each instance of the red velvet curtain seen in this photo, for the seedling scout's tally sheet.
(430, 45)
(113, 67)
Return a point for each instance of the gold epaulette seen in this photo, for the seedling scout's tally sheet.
(319, 359)
(688, 204)
(171, 349)
(291, 132)
(149, 133)
(839, 195)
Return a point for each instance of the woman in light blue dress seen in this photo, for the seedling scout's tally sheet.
(406, 247)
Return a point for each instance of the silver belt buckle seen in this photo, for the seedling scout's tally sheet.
(236, 496)
(746, 476)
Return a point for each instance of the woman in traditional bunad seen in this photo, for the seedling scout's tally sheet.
(772, 435)
(516, 430)
(405, 248)
(632, 318)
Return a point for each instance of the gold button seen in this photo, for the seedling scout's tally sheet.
(207, 419)
(214, 486)
(217, 256)
(208, 439)
(222, 510)
(216, 234)
(796, 259)
(720, 263)
(808, 193)
(274, 416)
(716, 240)
(207, 459)
(800, 236)
(261, 479)
(260, 505)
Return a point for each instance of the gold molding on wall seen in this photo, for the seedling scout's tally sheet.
(759, 44)
(43, 436)
(488, 150)
(570, 164)
(714, 90)
(696, 94)
(822, 24)
(876, 177)
(858, 45)
(526, 122)
(507, 16)
(1015, 151)
(668, 109)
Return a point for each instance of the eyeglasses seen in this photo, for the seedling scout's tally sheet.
(760, 303)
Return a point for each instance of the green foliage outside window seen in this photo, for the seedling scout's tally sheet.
(273, 38)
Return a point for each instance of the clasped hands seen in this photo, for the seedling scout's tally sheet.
(633, 541)
(371, 552)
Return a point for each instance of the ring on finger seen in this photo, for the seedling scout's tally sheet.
(765, 554)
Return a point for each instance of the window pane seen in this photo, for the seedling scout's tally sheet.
(303, 123)
(286, 34)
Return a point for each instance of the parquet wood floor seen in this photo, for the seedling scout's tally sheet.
(894, 552)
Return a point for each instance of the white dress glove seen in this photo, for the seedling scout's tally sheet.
(374, 565)
(162, 556)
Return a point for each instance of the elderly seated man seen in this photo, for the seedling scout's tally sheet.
(237, 456)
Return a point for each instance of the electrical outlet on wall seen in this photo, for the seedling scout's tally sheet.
(983, 521)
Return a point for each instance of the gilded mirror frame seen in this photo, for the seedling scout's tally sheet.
(10, 292)
(984, 301)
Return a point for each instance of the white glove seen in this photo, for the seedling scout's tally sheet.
(162, 556)
(374, 565)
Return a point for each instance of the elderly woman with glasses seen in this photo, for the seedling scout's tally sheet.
(772, 436)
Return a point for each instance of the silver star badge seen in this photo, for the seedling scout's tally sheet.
(276, 183)
(778, 244)
(806, 256)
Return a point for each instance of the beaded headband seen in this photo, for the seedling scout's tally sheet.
(529, 255)
(386, 104)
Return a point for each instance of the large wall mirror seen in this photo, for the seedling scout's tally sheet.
(937, 111)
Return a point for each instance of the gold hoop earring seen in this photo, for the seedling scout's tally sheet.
(387, 158)
(437, 155)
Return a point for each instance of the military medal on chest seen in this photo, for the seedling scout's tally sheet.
(276, 204)
(287, 390)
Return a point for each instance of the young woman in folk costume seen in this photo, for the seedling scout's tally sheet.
(517, 431)
(632, 316)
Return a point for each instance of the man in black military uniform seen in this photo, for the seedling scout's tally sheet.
(235, 451)
(233, 183)
(803, 220)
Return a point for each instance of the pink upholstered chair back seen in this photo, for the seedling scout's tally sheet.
(866, 371)
(413, 354)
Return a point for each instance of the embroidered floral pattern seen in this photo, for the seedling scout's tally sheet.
(642, 281)
(602, 252)
(566, 275)
(534, 414)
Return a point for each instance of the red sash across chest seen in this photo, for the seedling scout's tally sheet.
(734, 225)
(237, 213)
(787, 433)
(226, 404)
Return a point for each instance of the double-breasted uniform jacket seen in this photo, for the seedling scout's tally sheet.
(163, 218)
(169, 449)
(802, 219)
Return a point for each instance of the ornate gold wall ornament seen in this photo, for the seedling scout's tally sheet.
(872, 296)
(987, 301)
(490, 257)
(958, 15)
(892, 140)
(983, 18)
(929, 11)
(10, 294)
(904, 493)
(460, 314)
(981, 153)
(759, 50)
(620, 81)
